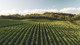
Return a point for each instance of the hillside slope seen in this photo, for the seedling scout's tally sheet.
(40, 32)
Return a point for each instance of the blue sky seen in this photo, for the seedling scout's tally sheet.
(38, 4)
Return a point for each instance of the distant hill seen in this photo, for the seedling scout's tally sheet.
(46, 15)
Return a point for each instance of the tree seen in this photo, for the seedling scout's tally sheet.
(76, 17)
(61, 17)
(67, 18)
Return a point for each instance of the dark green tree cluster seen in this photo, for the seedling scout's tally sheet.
(13, 16)
(46, 15)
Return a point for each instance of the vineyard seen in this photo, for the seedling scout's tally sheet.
(39, 33)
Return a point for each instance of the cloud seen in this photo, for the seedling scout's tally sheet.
(6, 12)
(23, 12)
(70, 10)
(40, 11)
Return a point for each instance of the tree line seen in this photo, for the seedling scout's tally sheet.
(46, 15)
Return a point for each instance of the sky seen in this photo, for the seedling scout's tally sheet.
(39, 6)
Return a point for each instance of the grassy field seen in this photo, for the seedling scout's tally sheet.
(77, 22)
(39, 32)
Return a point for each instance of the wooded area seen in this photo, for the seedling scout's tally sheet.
(46, 15)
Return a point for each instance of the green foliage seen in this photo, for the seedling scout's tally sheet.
(76, 17)
(67, 18)
(46, 15)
